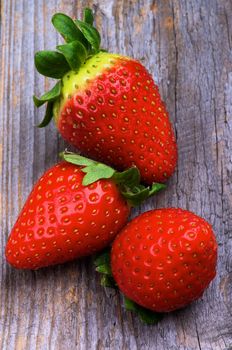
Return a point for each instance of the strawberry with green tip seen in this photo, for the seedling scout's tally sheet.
(75, 209)
(107, 105)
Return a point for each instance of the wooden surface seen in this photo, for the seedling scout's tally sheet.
(186, 44)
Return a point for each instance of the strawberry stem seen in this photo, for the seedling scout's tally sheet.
(128, 181)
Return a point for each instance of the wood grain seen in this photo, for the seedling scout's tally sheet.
(187, 47)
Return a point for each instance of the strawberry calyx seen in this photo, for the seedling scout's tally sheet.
(102, 265)
(82, 41)
(128, 181)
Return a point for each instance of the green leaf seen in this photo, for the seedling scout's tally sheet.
(156, 187)
(48, 96)
(96, 172)
(105, 269)
(136, 198)
(67, 28)
(129, 177)
(129, 304)
(102, 262)
(51, 64)
(103, 258)
(48, 115)
(76, 159)
(88, 16)
(91, 34)
(147, 316)
(103, 266)
(138, 194)
(108, 281)
(75, 54)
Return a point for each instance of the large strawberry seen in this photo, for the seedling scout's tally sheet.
(73, 211)
(105, 104)
(164, 259)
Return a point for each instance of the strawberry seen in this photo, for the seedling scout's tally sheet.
(73, 210)
(107, 105)
(164, 259)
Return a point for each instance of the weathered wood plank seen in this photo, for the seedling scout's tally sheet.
(187, 47)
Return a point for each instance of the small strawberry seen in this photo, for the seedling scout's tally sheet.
(105, 104)
(73, 211)
(164, 259)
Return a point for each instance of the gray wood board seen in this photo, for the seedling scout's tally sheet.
(186, 45)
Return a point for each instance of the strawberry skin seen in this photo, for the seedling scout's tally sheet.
(63, 220)
(112, 110)
(164, 259)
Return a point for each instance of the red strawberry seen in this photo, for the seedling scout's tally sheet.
(69, 214)
(164, 259)
(107, 105)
